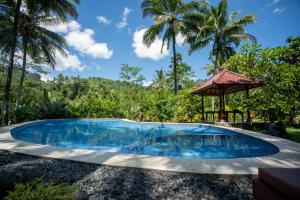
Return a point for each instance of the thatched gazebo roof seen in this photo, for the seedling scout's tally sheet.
(226, 82)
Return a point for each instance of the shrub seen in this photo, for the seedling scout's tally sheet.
(297, 119)
(51, 109)
(40, 191)
(25, 113)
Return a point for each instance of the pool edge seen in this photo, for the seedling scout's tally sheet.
(288, 156)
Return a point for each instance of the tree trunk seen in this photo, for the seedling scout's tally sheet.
(216, 61)
(175, 64)
(215, 72)
(23, 73)
(11, 63)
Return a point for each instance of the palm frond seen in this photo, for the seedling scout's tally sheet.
(198, 44)
(152, 8)
(59, 8)
(152, 32)
(246, 20)
(166, 38)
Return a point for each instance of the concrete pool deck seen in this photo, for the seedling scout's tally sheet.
(288, 156)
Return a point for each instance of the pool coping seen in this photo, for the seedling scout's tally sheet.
(288, 156)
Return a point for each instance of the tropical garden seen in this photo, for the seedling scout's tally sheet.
(27, 46)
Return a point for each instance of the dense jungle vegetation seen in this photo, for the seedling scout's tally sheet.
(98, 97)
(25, 97)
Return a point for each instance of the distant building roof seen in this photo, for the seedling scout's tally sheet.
(227, 80)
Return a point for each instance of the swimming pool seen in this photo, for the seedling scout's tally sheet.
(180, 140)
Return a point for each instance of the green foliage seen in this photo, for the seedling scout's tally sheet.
(297, 119)
(279, 68)
(40, 191)
(159, 79)
(95, 108)
(25, 113)
(131, 74)
(225, 31)
(189, 108)
(51, 109)
(93, 97)
(185, 75)
(168, 21)
(164, 105)
(293, 134)
(14, 12)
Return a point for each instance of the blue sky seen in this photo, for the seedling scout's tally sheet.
(108, 34)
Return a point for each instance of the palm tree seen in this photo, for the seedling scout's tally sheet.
(61, 9)
(184, 72)
(40, 42)
(222, 30)
(168, 16)
(159, 79)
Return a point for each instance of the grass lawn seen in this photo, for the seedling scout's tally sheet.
(294, 134)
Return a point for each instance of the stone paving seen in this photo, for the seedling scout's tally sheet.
(106, 182)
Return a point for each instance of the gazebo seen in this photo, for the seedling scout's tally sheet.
(225, 82)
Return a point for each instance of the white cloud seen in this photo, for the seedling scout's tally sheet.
(275, 1)
(141, 50)
(46, 77)
(73, 25)
(147, 83)
(123, 23)
(64, 27)
(69, 62)
(278, 10)
(103, 20)
(180, 38)
(58, 28)
(84, 42)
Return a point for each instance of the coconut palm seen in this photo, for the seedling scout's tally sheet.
(168, 16)
(61, 9)
(37, 41)
(184, 72)
(221, 29)
(159, 79)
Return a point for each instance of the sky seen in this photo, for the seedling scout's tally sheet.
(107, 34)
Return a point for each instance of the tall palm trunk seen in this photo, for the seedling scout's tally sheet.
(11, 63)
(175, 63)
(23, 72)
(215, 72)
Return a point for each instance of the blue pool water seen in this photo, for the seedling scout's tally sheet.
(183, 140)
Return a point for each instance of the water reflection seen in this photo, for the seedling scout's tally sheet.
(152, 139)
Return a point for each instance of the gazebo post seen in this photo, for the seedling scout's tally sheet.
(222, 107)
(220, 110)
(233, 117)
(223, 104)
(202, 100)
(248, 110)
